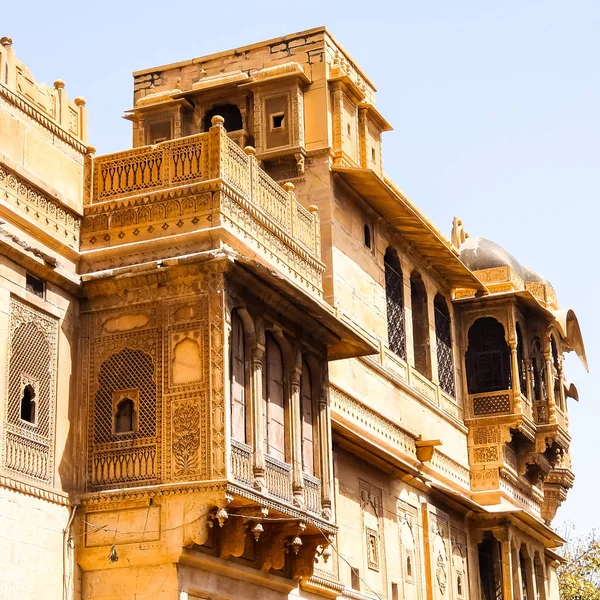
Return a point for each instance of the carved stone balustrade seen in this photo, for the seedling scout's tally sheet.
(202, 187)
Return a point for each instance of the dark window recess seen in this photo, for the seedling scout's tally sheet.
(395, 595)
(124, 416)
(35, 286)
(443, 336)
(490, 577)
(373, 155)
(230, 112)
(28, 404)
(459, 585)
(278, 121)
(420, 320)
(538, 379)
(524, 582)
(394, 284)
(488, 357)
(355, 578)
(409, 569)
(367, 233)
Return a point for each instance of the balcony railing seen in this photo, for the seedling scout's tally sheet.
(161, 190)
(278, 476)
(492, 403)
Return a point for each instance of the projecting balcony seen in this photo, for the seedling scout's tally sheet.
(201, 190)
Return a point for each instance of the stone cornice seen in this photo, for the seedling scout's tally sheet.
(32, 490)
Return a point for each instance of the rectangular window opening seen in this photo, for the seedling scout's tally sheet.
(278, 121)
(355, 578)
(35, 286)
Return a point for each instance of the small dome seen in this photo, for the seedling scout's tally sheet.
(479, 254)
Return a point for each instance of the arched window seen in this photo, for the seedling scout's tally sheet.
(230, 112)
(420, 321)
(367, 236)
(521, 361)
(238, 378)
(524, 577)
(275, 437)
(539, 371)
(488, 357)
(124, 417)
(394, 284)
(306, 408)
(28, 404)
(445, 358)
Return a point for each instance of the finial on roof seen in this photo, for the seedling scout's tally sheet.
(459, 235)
(6, 41)
(59, 84)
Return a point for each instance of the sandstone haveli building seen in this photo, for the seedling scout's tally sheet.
(238, 362)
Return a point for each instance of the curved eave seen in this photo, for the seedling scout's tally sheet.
(571, 332)
(395, 208)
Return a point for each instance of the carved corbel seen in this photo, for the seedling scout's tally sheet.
(271, 549)
(233, 538)
(304, 561)
(197, 523)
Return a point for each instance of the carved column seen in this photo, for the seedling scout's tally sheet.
(517, 576)
(550, 388)
(296, 436)
(325, 452)
(258, 352)
(516, 383)
(506, 559)
(408, 328)
(561, 388)
(531, 582)
(529, 379)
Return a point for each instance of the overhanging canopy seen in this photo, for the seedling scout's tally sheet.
(411, 224)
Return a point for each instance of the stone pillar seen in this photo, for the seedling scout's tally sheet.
(561, 388)
(216, 132)
(325, 452)
(506, 559)
(256, 365)
(83, 119)
(9, 74)
(408, 329)
(296, 436)
(435, 377)
(516, 383)
(550, 388)
(532, 592)
(61, 101)
(517, 580)
(529, 379)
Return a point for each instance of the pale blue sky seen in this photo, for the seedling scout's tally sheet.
(494, 104)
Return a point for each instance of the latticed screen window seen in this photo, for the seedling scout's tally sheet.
(488, 357)
(126, 370)
(394, 304)
(238, 379)
(445, 357)
(30, 380)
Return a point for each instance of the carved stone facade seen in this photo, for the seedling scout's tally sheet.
(239, 362)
